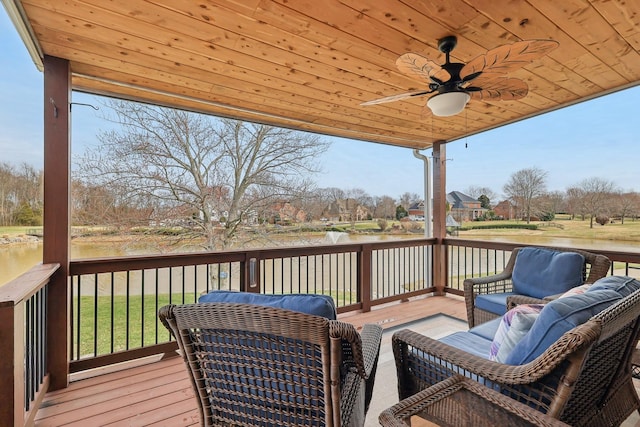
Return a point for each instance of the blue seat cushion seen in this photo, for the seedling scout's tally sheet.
(487, 330)
(542, 272)
(318, 305)
(471, 343)
(493, 303)
(556, 318)
(623, 285)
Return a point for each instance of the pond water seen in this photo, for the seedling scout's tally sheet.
(15, 259)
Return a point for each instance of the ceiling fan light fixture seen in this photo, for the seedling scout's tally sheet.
(448, 103)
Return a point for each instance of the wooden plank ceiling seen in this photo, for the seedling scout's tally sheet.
(309, 64)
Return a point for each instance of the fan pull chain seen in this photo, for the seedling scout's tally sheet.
(466, 128)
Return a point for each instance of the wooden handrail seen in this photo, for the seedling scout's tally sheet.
(22, 391)
(27, 284)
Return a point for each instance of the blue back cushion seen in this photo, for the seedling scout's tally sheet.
(542, 272)
(318, 305)
(623, 285)
(556, 318)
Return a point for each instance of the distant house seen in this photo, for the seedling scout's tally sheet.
(505, 210)
(463, 207)
(285, 212)
(346, 210)
(416, 210)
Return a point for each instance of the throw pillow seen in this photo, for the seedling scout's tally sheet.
(514, 326)
(558, 317)
(576, 291)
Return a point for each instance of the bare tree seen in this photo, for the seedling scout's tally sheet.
(384, 207)
(552, 203)
(626, 204)
(596, 193)
(407, 199)
(524, 187)
(575, 202)
(204, 174)
(476, 191)
(8, 199)
(21, 195)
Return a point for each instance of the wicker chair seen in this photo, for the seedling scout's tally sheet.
(258, 365)
(596, 266)
(583, 379)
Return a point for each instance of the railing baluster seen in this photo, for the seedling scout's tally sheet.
(128, 312)
(142, 305)
(112, 314)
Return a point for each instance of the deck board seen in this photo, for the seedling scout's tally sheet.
(160, 393)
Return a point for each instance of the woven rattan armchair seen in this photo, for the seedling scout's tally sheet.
(257, 365)
(595, 267)
(583, 379)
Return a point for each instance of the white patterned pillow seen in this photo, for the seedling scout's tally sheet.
(514, 326)
(576, 291)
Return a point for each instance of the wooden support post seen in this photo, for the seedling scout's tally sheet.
(440, 273)
(364, 274)
(57, 178)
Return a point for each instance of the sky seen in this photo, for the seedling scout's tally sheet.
(597, 138)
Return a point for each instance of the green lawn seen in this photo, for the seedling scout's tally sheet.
(121, 326)
(576, 229)
(16, 230)
(112, 315)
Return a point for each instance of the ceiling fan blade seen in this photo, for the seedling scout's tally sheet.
(419, 67)
(503, 89)
(471, 76)
(397, 97)
(509, 57)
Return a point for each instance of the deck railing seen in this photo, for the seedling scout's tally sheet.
(23, 365)
(114, 302)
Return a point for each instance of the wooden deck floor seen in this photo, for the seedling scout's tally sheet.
(159, 393)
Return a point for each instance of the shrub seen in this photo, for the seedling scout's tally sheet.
(498, 225)
(602, 219)
(547, 216)
(382, 223)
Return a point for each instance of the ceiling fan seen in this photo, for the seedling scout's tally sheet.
(484, 77)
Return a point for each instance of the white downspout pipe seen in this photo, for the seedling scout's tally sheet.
(428, 221)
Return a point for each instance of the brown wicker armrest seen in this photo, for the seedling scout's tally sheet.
(514, 300)
(362, 349)
(480, 285)
(422, 362)
(371, 338)
(461, 401)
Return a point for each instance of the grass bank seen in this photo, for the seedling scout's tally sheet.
(574, 229)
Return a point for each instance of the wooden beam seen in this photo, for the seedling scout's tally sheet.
(57, 170)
